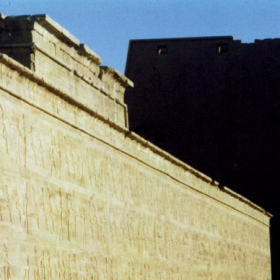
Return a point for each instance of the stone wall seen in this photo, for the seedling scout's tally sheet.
(82, 197)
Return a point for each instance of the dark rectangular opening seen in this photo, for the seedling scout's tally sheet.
(222, 48)
(161, 50)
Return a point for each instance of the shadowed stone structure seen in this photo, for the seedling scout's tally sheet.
(214, 103)
(83, 197)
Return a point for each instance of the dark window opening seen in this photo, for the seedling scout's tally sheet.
(161, 50)
(223, 48)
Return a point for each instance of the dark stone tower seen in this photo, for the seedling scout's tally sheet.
(213, 102)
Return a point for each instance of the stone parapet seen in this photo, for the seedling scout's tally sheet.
(49, 50)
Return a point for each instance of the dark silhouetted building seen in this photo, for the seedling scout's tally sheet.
(214, 103)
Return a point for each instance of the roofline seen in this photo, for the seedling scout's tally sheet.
(228, 37)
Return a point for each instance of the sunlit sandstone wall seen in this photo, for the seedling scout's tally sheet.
(82, 197)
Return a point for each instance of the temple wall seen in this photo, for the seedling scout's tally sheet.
(82, 197)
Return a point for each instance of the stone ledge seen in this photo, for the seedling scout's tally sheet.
(117, 76)
(28, 22)
(5, 59)
(197, 174)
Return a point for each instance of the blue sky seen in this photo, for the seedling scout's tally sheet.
(106, 26)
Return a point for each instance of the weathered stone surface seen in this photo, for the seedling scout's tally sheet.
(54, 54)
(82, 197)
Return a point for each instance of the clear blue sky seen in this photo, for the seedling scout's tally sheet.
(106, 26)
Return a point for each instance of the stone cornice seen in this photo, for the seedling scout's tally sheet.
(117, 76)
(30, 21)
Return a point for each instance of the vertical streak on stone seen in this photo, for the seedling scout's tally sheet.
(26, 210)
(61, 215)
(9, 205)
(7, 274)
(1, 214)
(24, 141)
(68, 225)
(4, 130)
(21, 141)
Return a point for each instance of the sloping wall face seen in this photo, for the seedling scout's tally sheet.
(82, 197)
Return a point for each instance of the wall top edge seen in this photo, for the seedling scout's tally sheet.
(45, 21)
(247, 201)
(207, 38)
(222, 39)
(6, 60)
(29, 21)
(87, 52)
(197, 173)
(117, 76)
